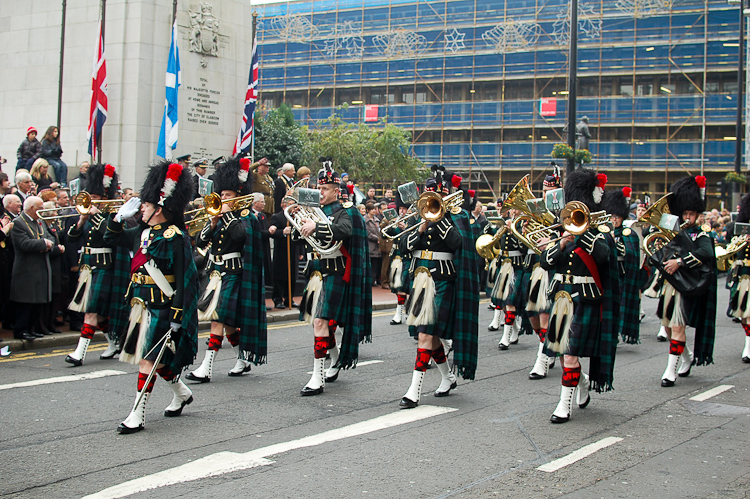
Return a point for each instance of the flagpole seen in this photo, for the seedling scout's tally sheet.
(252, 146)
(174, 11)
(99, 138)
(62, 54)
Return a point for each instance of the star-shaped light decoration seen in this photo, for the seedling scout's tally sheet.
(644, 8)
(512, 36)
(454, 40)
(589, 24)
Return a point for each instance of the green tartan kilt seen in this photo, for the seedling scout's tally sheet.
(525, 290)
(158, 327)
(404, 277)
(100, 292)
(584, 330)
(516, 296)
(332, 294)
(228, 307)
(734, 290)
(443, 304)
(630, 309)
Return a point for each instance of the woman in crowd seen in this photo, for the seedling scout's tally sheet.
(40, 175)
(52, 152)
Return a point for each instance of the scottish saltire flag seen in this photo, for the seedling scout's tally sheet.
(245, 137)
(98, 109)
(168, 132)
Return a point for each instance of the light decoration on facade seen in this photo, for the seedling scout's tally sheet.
(454, 41)
(589, 24)
(512, 36)
(400, 43)
(294, 28)
(644, 8)
(346, 40)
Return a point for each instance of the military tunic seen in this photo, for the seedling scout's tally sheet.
(264, 185)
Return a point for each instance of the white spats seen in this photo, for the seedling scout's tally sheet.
(541, 366)
(317, 382)
(584, 385)
(495, 324)
(205, 370)
(562, 411)
(746, 351)
(241, 366)
(662, 334)
(332, 373)
(686, 363)
(182, 397)
(670, 373)
(79, 354)
(398, 317)
(505, 339)
(447, 380)
(136, 420)
(411, 398)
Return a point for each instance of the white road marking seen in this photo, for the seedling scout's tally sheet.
(228, 462)
(64, 379)
(579, 454)
(711, 393)
(359, 364)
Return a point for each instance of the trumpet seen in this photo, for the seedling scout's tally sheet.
(212, 205)
(297, 213)
(83, 204)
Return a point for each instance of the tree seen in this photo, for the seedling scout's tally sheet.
(368, 154)
(280, 139)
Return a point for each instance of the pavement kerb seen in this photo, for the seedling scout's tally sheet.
(71, 338)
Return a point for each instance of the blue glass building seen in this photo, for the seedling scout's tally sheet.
(657, 80)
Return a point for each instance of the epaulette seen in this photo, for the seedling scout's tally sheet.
(706, 228)
(347, 204)
(171, 231)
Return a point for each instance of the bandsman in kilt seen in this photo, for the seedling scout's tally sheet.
(653, 278)
(163, 288)
(507, 293)
(537, 280)
(400, 260)
(584, 311)
(339, 291)
(631, 277)
(739, 296)
(103, 275)
(677, 310)
(444, 298)
(234, 299)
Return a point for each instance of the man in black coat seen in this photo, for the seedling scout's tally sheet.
(259, 203)
(31, 284)
(11, 211)
(282, 184)
(279, 231)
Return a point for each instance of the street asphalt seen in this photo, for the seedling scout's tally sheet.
(256, 436)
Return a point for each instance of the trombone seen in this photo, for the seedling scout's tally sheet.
(83, 204)
(212, 205)
(431, 207)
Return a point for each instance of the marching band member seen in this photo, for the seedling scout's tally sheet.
(103, 271)
(675, 309)
(538, 279)
(444, 298)
(163, 290)
(628, 247)
(234, 299)
(507, 292)
(583, 314)
(339, 291)
(400, 261)
(739, 301)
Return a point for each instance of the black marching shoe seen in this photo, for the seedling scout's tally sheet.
(331, 379)
(24, 335)
(126, 430)
(75, 362)
(306, 392)
(408, 403)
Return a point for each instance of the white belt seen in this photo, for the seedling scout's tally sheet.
(512, 253)
(433, 255)
(573, 279)
(316, 256)
(97, 251)
(220, 259)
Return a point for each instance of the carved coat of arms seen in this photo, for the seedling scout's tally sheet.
(204, 30)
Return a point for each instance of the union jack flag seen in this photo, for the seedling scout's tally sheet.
(245, 136)
(98, 109)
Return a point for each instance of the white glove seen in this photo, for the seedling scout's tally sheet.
(128, 209)
(175, 326)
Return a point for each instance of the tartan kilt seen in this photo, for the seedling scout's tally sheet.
(443, 304)
(100, 292)
(332, 294)
(584, 330)
(734, 291)
(629, 325)
(525, 290)
(406, 264)
(228, 306)
(158, 327)
(516, 296)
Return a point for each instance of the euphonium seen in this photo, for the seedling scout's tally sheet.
(533, 225)
(517, 198)
(297, 213)
(724, 255)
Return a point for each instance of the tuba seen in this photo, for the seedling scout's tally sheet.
(517, 198)
(653, 242)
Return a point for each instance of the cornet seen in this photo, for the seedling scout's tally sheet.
(83, 204)
(212, 205)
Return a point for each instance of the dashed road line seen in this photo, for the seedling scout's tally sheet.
(711, 393)
(579, 454)
(227, 462)
(63, 379)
